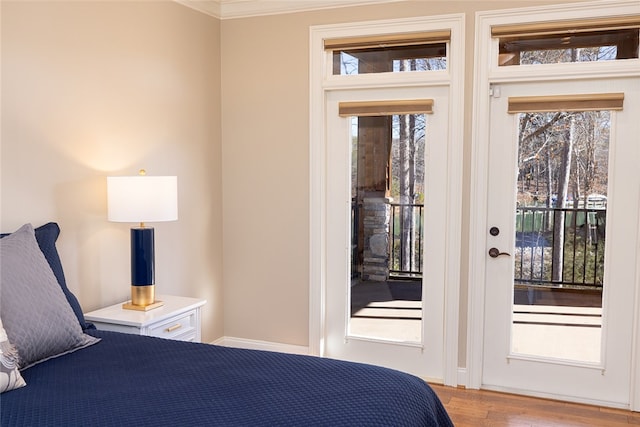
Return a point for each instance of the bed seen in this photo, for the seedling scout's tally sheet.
(114, 379)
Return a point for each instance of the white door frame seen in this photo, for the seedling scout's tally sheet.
(486, 73)
(321, 80)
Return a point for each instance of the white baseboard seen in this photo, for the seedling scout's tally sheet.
(261, 345)
(462, 377)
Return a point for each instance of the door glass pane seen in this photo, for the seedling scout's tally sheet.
(387, 190)
(560, 235)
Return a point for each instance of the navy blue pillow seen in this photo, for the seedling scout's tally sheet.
(46, 235)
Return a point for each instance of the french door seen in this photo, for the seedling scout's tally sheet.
(561, 239)
(366, 319)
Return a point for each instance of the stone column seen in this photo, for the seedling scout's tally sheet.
(376, 217)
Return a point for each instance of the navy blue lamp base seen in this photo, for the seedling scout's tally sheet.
(142, 257)
(142, 270)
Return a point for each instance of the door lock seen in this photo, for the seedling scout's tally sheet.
(495, 253)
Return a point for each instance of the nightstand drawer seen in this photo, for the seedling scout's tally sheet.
(176, 327)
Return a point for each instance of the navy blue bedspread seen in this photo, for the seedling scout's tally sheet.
(143, 381)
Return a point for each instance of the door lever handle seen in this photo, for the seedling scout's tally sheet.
(495, 253)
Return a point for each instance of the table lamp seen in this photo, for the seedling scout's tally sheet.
(142, 199)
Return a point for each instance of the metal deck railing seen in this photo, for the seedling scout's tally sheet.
(560, 246)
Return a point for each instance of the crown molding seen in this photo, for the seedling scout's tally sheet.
(230, 9)
(208, 7)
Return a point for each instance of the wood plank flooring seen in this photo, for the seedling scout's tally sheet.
(473, 408)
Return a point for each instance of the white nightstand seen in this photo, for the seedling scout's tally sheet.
(178, 319)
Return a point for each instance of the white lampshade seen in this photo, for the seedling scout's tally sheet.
(142, 198)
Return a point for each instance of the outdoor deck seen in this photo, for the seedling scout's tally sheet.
(387, 310)
(569, 323)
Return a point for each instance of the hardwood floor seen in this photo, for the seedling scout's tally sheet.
(473, 408)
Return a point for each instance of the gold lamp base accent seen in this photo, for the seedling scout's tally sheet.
(142, 299)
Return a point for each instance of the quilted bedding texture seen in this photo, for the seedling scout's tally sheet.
(145, 381)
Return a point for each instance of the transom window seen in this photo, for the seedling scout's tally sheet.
(424, 51)
(576, 41)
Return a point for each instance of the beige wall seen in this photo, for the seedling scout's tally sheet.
(99, 88)
(265, 116)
